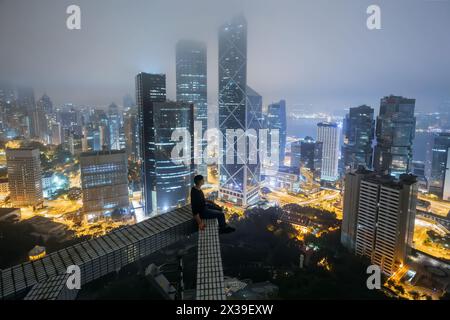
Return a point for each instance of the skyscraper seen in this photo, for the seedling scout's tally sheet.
(166, 181)
(351, 206)
(25, 177)
(328, 134)
(104, 183)
(359, 129)
(91, 139)
(439, 164)
(311, 154)
(379, 214)
(276, 119)
(254, 121)
(395, 133)
(45, 103)
(172, 180)
(191, 78)
(131, 131)
(385, 220)
(446, 193)
(44, 111)
(57, 136)
(150, 88)
(114, 123)
(128, 102)
(27, 105)
(296, 153)
(237, 181)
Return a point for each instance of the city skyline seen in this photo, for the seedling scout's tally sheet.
(357, 181)
(301, 55)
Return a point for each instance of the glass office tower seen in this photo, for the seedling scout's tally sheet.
(439, 164)
(166, 181)
(276, 119)
(359, 129)
(395, 131)
(237, 181)
(173, 178)
(191, 85)
(150, 88)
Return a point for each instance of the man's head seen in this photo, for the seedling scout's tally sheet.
(199, 181)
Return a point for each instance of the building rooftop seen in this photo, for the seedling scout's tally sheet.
(103, 255)
(210, 284)
(102, 153)
(327, 124)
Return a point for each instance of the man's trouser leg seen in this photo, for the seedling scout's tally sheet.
(213, 206)
(214, 214)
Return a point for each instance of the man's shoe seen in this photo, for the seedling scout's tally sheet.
(226, 229)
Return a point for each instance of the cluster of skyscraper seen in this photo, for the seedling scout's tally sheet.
(22, 116)
(166, 184)
(380, 205)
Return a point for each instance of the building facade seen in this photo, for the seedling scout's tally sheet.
(395, 132)
(173, 178)
(328, 134)
(379, 217)
(104, 184)
(25, 177)
(351, 206)
(439, 164)
(359, 129)
(276, 119)
(446, 193)
(114, 124)
(311, 154)
(191, 85)
(150, 88)
(131, 131)
(239, 183)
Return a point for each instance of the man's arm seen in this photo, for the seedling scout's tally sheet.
(200, 223)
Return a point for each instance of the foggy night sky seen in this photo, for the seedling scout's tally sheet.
(316, 52)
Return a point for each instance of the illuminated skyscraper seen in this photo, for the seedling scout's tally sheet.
(44, 111)
(57, 134)
(395, 131)
(311, 154)
(166, 182)
(172, 181)
(104, 183)
(385, 223)
(131, 131)
(25, 177)
(351, 206)
(150, 88)
(238, 182)
(191, 77)
(27, 105)
(359, 129)
(255, 121)
(114, 123)
(439, 164)
(276, 119)
(296, 153)
(446, 192)
(379, 215)
(328, 134)
(91, 139)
